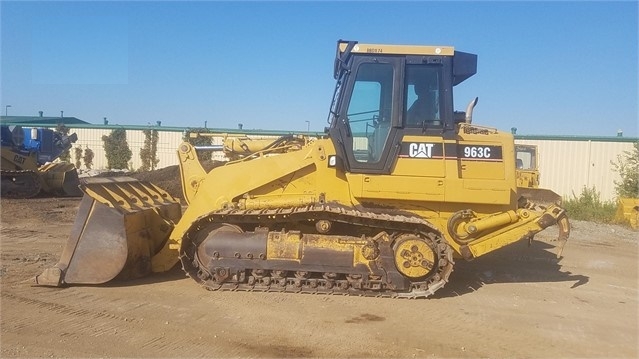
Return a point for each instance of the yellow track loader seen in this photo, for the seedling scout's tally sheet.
(28, 166)
(527, 173)
(399, 188)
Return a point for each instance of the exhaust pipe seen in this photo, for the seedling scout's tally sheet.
(469, 110)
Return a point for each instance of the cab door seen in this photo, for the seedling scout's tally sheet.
(368, 117)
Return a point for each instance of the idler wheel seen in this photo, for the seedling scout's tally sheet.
(415, 257)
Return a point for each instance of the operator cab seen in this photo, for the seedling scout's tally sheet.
(526, 157)
(385, 92)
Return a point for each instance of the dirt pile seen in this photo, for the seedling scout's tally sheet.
(167, 178)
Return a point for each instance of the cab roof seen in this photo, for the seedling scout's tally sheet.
(399, 49)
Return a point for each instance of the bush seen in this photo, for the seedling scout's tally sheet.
(199, 141)
(627, 166)
(589, 207)
(117, 149)
(78, 156)
(149, 153)
(88, 158)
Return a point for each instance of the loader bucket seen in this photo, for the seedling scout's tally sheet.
(60, 179)
(544, 197)
(121, 224)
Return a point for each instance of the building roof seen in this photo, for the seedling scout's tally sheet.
(40, 120)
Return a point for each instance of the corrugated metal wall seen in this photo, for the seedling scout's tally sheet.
(567, 166)
(168, 142)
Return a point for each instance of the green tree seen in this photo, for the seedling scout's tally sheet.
(66, 155)
(78, 156)
(627, 166)
(88, 158)
(149, 153)
(117, 149)
(199, 141)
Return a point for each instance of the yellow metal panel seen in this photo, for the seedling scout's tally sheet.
(283, 246)
(402, 187)
(401, 49)
(420, 167)
(481, 170)
(479, 191)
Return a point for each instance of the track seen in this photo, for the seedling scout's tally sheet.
(347, 225)
(20, 184)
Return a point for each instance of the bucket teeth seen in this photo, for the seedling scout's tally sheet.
(121, 224)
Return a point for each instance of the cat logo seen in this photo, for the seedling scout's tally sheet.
(420, 150)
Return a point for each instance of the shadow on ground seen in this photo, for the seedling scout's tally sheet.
(516, 263)
(175, 273)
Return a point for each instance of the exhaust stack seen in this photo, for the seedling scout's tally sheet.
(469, 110)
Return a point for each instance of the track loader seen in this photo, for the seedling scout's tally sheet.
(527, 173)
(399, 188)
(28, 166)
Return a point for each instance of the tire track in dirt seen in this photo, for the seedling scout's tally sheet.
(94, 316)
(19, 233)
(150, 323)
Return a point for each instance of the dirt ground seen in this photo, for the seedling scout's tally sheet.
(519, 302)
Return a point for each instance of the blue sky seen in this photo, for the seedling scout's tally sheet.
(552, 68)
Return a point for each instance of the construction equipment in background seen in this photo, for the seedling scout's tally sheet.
(382, 205)
(628, 211)
(28, 166)
(527, 173)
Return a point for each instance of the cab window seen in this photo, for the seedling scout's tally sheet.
(422, 96)
(369, 110)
